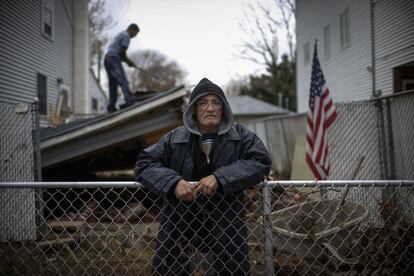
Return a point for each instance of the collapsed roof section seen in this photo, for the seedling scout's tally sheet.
(145, 121)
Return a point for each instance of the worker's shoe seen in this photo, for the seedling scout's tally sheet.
(111, 109)
(122, 106)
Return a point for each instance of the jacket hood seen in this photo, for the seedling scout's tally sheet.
(204, 87)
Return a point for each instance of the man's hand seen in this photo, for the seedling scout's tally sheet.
(207, 185)
(130, 63)
(185, 191)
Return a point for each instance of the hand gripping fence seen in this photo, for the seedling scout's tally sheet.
(293, 228)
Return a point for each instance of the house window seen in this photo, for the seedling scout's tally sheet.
(47, 18)
(95, 104)
(407, 84)
(403, 78)
(327, 41)
(306, 53)
(344, 28)
(42, 93)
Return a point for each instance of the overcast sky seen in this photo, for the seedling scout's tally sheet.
(201, 35)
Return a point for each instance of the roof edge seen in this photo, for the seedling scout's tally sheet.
(103, 122)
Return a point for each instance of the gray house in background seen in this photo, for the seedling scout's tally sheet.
(247, 108)
(44, 53)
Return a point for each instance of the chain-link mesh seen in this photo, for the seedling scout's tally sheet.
(289, 230)
(355, 135)
(17, 164)
(350, 242)
(113, 231)
(401, 114)
(379, 132)
(16, 152)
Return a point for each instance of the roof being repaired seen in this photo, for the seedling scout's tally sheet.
(76, 138)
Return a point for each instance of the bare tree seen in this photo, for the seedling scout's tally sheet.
(286, 22)
(155, 71)
(262, 46)
(263, 26)
(99, 21)
(233, 86)
(288, 10)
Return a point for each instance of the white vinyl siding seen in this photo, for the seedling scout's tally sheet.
(394, 40)
(347, 71)
(24, 51)
(327, 41)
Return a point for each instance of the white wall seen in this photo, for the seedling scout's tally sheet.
(278, 134)
(394, 39)
(345, 69)
(24, 51)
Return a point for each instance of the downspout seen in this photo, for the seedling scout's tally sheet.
(373, 69)
(378, 103)
(99, 60)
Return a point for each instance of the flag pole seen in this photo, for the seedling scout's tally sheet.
(320, 117)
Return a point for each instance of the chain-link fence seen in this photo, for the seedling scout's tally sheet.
(19, 161)
(379, 132)
(290, 228)
(111, 228)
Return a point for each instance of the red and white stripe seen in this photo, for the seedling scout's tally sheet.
(318, 121)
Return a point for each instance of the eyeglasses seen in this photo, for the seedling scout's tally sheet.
(205, 104)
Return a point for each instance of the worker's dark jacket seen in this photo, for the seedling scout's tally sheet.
(216, 223)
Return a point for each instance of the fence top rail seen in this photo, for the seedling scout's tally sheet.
(395, 95)
(132, 184)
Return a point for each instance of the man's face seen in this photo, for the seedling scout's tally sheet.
(209, 110)
(132, 33)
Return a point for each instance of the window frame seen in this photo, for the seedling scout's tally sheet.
(93, 101)
(42, 93)
(47, 9)
(306, 53)
(344, 29)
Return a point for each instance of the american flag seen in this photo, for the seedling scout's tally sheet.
(321, 115)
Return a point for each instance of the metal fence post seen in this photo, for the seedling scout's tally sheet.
(37, 168)
(36, 140)
(267, 227)
(390, 140)
(381, 137)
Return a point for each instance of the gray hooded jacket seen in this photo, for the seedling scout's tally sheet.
(239, 160)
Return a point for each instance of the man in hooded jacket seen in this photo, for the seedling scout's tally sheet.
(224, 158)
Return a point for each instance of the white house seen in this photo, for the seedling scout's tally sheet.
(44, 53)
(365, 47)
